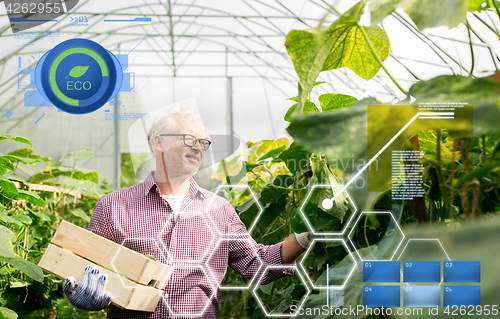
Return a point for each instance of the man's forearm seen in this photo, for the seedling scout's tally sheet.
(291, 250)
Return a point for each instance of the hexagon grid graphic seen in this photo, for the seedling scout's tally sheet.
(299, 305)
(346, 269)
(424, 239)
(241, 188)
(197, 314)
(194, 241)
(338, 206)
(138, 240)
(224, 287)
(388, 241)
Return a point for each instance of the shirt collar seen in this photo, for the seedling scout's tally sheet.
(194, 189)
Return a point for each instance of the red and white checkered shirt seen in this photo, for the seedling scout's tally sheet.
(141, 219)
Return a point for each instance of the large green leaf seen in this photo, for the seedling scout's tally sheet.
(8, 313)
(80, 214)
(8, 219)
(333, 101)
(8, 188)
(5, 165)
(482, 93)
(29, 268)
(295, 157)
(16, 138)
(31, 197)
(76, 156)
(338, 134)
(343, 44)
(23, 219)
(273, 153)
(6, 242)
(308, 107)
(425, 13)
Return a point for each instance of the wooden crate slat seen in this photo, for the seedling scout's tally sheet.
(127, 294)
(100, 250)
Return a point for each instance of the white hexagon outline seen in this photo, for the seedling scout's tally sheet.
(256, 272)
(356, 248)
(334, 197)
(139, 286)
(444, 250)
(254, 223)
(303, 297)
(170, 258)
(328, 287)
(214, 290)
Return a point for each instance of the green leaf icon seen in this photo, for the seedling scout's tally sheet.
(77, 71)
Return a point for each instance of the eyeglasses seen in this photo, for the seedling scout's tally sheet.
(190, 140)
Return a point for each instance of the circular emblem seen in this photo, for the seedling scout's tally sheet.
(78, 76)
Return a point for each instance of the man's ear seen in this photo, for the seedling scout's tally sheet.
(157, 144)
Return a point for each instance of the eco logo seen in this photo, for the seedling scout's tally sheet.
(78, 76)
(26, 14)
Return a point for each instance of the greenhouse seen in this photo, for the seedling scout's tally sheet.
(344, 158)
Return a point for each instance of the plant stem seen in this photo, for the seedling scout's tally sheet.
(494, 4)
(379, 60)
(471, 47)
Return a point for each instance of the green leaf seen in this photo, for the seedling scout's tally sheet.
(341, 45)
(308, 107)
(333, 101)
(6, 242)
(16, 138)
(8, 313)
(283, 305)
(341, 127)
(273, 153)
(425, 13)
(25, 152)
(23, 219)
(5, 165)
(30, 269)
(8, 187)
(31, 197)
(77, 156)
(80, 214)
(15, 178)
(482, 93)
(267, 288)
(40, 177)
(42, 216)
(77, 71)
(295, 157)
(150, 257)
(9, 219)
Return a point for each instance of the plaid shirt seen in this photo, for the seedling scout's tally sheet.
(141, 219)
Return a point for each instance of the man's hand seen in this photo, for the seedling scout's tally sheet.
(90, 294)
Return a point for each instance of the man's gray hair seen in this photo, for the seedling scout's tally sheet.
(167, 123)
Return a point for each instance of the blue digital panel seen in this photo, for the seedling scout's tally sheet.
(381, 296)
(422, 271)
(381, 271)
(461, 296)
(421, 296)
(35, 99)
(462, 271)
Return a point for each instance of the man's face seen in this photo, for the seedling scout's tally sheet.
(182, 160)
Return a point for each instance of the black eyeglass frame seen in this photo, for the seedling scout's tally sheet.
(195, 140)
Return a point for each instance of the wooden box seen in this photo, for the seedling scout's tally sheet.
(73, 248)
